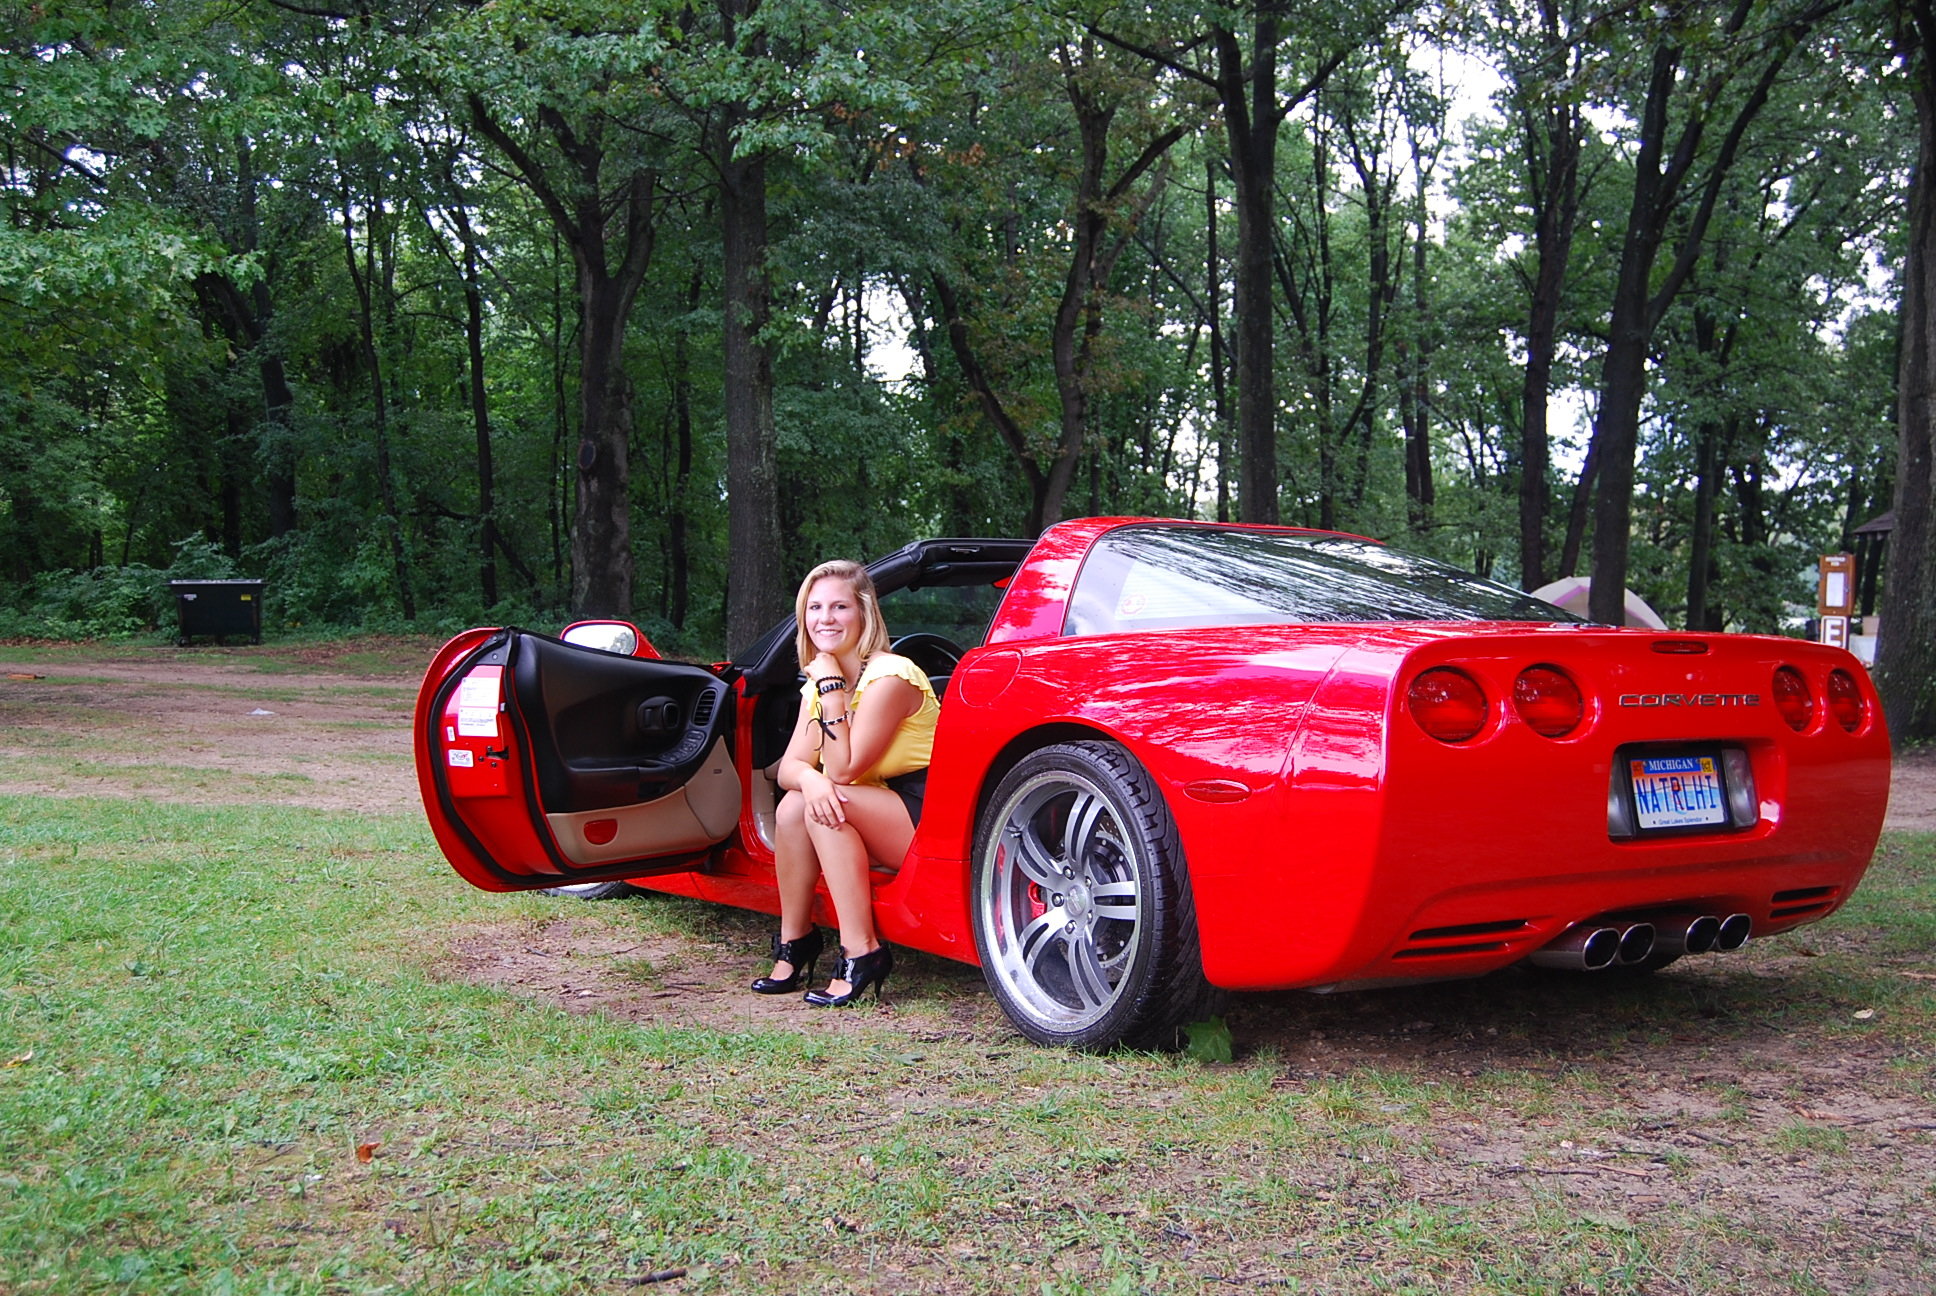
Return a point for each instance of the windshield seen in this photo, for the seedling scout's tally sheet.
(1174, 577)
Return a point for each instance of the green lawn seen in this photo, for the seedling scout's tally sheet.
(210, 1017)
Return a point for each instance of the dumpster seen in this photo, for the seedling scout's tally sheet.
(218, 607)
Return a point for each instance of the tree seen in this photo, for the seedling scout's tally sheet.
(1239, 53)
(1714, 68)
(561, 95)
(1906, 656)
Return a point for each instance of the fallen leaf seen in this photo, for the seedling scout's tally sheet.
(1863, 1014)
(23, 675)
(21, 1059)
(366, 1152)
(1209, 1040)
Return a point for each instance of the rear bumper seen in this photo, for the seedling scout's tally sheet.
(1447, 867)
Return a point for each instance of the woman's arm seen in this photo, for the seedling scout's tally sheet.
(798, 759)
(869, 731)
(798, 772)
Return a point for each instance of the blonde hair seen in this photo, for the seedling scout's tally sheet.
(873, 626)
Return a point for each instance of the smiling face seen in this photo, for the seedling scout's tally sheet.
(833, 617)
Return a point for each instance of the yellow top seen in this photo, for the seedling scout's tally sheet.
(913, 743)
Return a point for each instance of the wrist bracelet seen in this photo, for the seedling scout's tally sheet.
(831, 684)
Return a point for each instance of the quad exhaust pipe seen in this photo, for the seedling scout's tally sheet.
(1591, 946)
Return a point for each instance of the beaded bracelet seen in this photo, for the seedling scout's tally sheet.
(832, 684)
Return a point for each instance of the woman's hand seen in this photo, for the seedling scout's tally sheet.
(825, 805)
(824, 666)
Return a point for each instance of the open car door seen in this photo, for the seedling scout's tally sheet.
(542, 763)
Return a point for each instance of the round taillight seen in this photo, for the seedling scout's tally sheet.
(1845, 700)
(1792, 698)
(1548, 701)
(1448, 704)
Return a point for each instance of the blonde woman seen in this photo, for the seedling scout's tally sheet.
(854, 774)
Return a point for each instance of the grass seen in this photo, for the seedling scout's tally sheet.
(228, 1063)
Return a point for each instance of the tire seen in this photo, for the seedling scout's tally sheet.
(1081, 904)
(594, 890)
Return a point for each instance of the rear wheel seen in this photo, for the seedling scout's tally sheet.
(1082, 910)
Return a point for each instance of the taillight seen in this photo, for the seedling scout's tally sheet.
(1548, 701)
(1792, 698)
(1845, 700)
(1448, 704)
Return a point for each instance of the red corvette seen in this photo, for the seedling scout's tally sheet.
(1178, 758)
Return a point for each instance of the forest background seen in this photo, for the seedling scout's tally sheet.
(434, 313)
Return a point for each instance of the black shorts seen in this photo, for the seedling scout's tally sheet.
(912, 788)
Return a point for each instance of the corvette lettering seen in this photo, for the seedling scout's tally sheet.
(1690, 699)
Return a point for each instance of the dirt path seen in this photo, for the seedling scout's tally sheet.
(326, 726)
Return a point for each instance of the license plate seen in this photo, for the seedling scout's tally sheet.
(1677, 791)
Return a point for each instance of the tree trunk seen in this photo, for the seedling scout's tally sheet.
(601, 524)
(1906, 654)
(1552, 137)
(480, 411)
(276, 441)
(364, 280)
(1700, 548)
(1414, 365)
(678, 555)
(1213, 299)
(755, 579)
(1251, 115)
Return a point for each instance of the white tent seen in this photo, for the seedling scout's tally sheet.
(1570, 592)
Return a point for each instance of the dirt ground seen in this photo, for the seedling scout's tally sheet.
(328, 727)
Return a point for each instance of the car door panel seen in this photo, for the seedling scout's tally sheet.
(688, 818)
(551, 762)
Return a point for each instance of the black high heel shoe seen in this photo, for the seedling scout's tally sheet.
(803, 952)
(858, 973)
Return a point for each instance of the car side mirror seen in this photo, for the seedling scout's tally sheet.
(619, 637)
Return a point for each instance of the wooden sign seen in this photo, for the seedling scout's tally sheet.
(1835, 587)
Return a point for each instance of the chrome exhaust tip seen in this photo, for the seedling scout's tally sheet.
(1733, 932)
(1636, 943)
(1582, 949)
(1686, 934)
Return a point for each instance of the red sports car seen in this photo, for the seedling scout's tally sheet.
(1178, 758)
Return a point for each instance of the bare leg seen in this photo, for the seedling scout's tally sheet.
(795, 869)
(877, 827)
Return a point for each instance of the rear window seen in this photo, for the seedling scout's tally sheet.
(1173, 577)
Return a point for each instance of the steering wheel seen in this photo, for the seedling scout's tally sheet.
(933, 653)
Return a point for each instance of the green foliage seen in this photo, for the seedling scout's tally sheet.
(212, 203)
(108, 602)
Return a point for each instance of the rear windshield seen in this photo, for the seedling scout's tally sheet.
(1174, 577)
